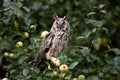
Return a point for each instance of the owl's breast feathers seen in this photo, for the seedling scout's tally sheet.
(55, 41)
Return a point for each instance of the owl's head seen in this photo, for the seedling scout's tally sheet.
(60, 24)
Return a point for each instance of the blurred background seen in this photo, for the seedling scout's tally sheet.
(93, 50)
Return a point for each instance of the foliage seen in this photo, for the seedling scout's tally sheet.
(93, 51)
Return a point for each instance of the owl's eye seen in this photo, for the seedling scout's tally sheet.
(56, 22)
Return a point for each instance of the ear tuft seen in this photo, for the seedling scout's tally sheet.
(56, 17)
(65, 17)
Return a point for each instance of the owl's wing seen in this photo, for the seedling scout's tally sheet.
(45, 46)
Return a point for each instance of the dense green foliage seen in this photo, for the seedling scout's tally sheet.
(93, 51)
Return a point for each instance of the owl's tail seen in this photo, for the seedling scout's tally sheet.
(37, 59)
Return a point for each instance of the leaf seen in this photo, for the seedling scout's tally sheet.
(63, 58)
(116, 50)
(36, 6)
(20, 59)
(53, 1)
(81, 38)
(91, 13)
(114, 71)
(94, 30)
(72, 66)
(103, 11)
(116, 62)
(26, 9)
(25, 72)
(94, 22)
(39, 78)
(93, 77)
(12, 71)
(37, 70)
(85, 51)
(101, 74)
(105, 29)
(101, 6)
(67, 77)
(7, 3)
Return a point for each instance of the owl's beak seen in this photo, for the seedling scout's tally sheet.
(60, 28)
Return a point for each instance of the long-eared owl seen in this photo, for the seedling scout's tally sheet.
(54, 42)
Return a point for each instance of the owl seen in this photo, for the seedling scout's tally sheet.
(54, 42)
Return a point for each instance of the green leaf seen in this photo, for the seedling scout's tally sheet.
(114, 71)
(36, 6)
(116, 62)
(85, 51)
(105, 29)
(91, 13)
(94, 22)
(103, 11)
(81, 38)
(93, 77)
(12, 71)
(101, 6)
(94, 30)
(7, 3)
(39, 78)
(53, 1)
(72, 66)
(68, 77)
(25, 72)
(20, 59)
(26, 9)
(63, 58)
(116, 50)
(37, 70)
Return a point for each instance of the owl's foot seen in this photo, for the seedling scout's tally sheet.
(33, 63)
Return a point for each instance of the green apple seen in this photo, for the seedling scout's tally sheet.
(11, 55)
(44, 33)
(6, 54)
(5, 79)
(74, 79)
(19, 44)
(54, 73)
(81, 77)
(25, 35)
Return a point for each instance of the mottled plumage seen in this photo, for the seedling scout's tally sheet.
(54, 42)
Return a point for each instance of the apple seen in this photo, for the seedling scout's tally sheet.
(19, 44)
(5, 79)
(63, 68)
(11, 55)
(54, 73)
(25, 35)
(33, 26)
(44, 33)
(6, 54)
(81, 77)
(74, 79)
